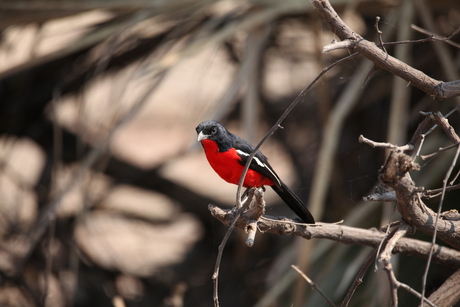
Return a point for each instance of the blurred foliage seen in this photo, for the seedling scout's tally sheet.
(272, 49)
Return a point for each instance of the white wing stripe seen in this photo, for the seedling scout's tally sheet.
(261, 164)
(242, 153)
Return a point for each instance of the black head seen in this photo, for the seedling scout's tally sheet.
(214, 131)
(210, 130)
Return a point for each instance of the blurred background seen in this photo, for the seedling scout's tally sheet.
(104, 191)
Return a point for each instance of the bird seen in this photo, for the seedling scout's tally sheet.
(228, 153)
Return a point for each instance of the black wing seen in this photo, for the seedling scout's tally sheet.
(259, 163)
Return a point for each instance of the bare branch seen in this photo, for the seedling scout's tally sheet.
(255, 211)
(424, 157)
(385, 258)
(435, 88)
(398, 234)
(359, 278)
(215, 275)
(447, 294)
(436, 37)
(340, 233)
(441, 121)
(335, 45)
(437, 192)
(277, 125)
(374, 144)
(376, 26)
(395, 174)
(312, 284)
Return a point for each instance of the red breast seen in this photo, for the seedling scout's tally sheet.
(227, 166)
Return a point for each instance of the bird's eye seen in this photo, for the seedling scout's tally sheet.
(214, 130)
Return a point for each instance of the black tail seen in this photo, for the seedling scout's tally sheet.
(294, 203)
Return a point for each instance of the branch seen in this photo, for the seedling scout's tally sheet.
(373, 144)
(435, 88)
(215, 275)
(447, 294)
(395, 174)
(340, 233)
(385, 259)
(313, 284)
(255, 211)
(441, 121)
(359, 278)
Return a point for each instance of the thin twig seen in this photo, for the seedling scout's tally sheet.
(359, 278)
(441, 149)
(385, 259)
(215, 275)
(437, 192)
(313, 285)
(394, 238)
(379, 33)
(429, 131)
(388, 235)
(277, 125)
(436, 37)
(441, 121)
(374, 144)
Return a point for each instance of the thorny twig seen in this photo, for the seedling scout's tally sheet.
(359, 278)
(313, 284)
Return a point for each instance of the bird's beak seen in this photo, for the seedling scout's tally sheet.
(201, 136)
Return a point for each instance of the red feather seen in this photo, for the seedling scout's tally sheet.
(226, 165)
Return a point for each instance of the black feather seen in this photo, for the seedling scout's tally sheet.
(294, 203)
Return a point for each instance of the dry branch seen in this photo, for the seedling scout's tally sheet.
(340, 233)
(395, 174)
(447, 294)
(313, 285)
(435, 88)
(385, 259)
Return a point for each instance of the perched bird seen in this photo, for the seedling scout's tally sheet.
(228, 154)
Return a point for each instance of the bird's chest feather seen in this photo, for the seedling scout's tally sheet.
(227, 165)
